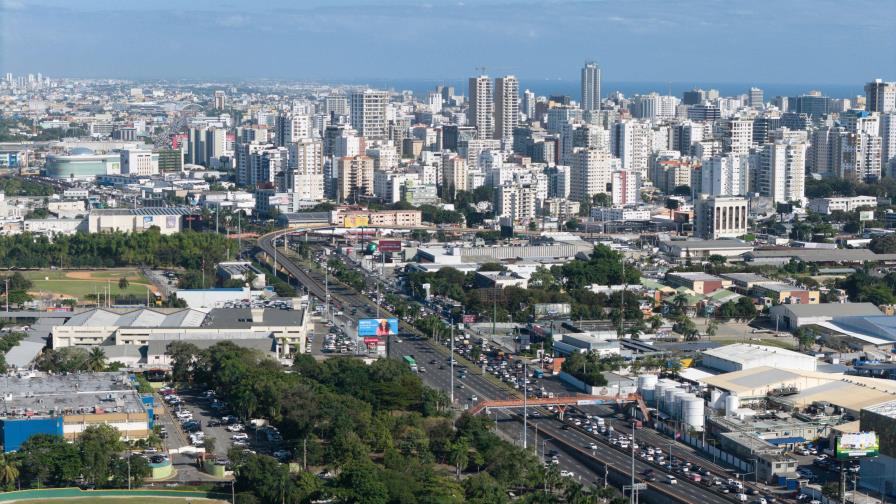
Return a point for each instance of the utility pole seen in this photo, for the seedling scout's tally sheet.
(451, 363)
(622, 300)
(7, 295)
(634, 494)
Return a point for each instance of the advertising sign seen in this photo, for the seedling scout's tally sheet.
(147, 221)
(469, 318)
(547, 310)
(171, 221)
(866, 215)
(371, 340)
(377, 327)
(390, 246)
(353, 221)
(857, 444)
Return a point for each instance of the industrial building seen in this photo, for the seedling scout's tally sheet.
(565, 249)
(792, 316)
(700, 283)
(137, 220)
(65, 405)
(870, 333)
(683, 249)
(283, 331)
(741, 356)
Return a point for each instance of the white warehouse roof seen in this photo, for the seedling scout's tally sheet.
(740, 356)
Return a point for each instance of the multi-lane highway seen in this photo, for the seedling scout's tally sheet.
(588, 466)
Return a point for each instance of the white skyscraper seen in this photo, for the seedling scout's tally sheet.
(726, 175)
(368, 113)
(590, 86)
(888, 144)
(757, 100)
(631, 142)
(626, 187)
(880, 96)
(589, 173)
(737, 135)
(507, 107)
(528, 105)
(654, 106)
(781, 171)
(306, 169)
(292, 128)
(480, 113)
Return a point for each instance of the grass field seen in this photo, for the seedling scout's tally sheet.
(78, 284)
(120, 500)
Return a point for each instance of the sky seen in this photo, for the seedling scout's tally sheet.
(763, 41)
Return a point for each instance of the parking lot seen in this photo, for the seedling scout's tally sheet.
(196, 418)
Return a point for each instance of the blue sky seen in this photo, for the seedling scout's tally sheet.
(780, 41)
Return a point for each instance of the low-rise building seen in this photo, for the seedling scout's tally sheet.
(700, 283)
(783, 293)
(371, 218)
(843, 204)
(137, 220)
(685, 249)
(792, 316)
(65, 405)
(620, 214)
(740, 356)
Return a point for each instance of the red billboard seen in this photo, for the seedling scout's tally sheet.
(469, 319)
(390, 246)
(370, 340)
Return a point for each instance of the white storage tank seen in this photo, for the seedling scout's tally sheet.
(659, 393)
(675, 407)
(647, 381)
(668, 403)
(732, 403)
(717, 399)
(692, 411)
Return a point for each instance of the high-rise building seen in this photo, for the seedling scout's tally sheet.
(632, 143)
(720, 217)
(515, 201)
(888, 144)
(306, 169)
(757, 100)
(245, 157)
(292, 128)
(454, 176)
(781, 171)
(368, 113)
(220, 100)
(589, 173)
(737, 135)
(823, 156)
(693, 97)
(590, 86)
(626, 187)
(355, 178)
(215, 144)
(859, 157)
(139, 162)
(726, 175)
(205, 145)
(528, 105)
(654, 106)
(880, 96)
(480, 112)
(507, 107)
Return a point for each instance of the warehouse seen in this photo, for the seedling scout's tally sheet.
(740, 356)
(65, 405)
(700, 283)
(791, 316)
(682, 249)
(862, 333)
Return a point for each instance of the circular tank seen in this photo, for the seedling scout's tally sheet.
(732, 403)
(647, 393)
(659, 392)
(692, 411)
(668, 403)
(646, 381)
(675, 406)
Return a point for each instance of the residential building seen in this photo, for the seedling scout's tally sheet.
(726, 175)
(589, 173)
(368, 113)
(590, 84)
(507, 108)
(355, 178)
(632, 143)
(880, 96)
(781, 171)
(515, 201)
(626, 187)
(480, 111)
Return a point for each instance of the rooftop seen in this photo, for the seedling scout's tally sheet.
(142, 211)
(695, 276)
(43, 395)
(708, 244)
(141, 317)
(832, 309)
(747, 353)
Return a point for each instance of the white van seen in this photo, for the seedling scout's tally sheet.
(671, 479)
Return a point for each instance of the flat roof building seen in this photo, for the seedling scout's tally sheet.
(791, 316)
(701, 283)
(740, 356)
(683, 249)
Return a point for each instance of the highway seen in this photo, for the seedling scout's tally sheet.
(586, 465)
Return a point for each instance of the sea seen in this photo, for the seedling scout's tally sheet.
(548, 87)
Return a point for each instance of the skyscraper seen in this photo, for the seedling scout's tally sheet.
(480, 113)
(632, 143)
(589, 173)
(880, 96)
(591, 86)
(368, 113)
(725, 175)
(507, 107)
(528, 105)
(756, 98)
(306, 169)
(220, 100)
(781, 171)
(355, 178)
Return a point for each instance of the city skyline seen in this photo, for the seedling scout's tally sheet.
(321, 40)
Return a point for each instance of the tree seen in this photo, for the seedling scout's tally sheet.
(885, 244)
(48, 460)
(712, 329)
(182, 355)
(601, 200)
(96, 359)
(361, 482)
(123, 283)
(682, 190)
(672, 203)
(459, 455)
(804, 338)
(9, 472)
(97, 446)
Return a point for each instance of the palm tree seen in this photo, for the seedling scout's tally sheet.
(680, 301)
(96, 359)
(9, 472)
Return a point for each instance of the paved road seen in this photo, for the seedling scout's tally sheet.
(485, 389)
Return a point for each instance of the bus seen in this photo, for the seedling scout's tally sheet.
(411, 362)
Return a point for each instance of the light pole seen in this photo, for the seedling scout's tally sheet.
(525, 407)
(451, 363)
(634, 493)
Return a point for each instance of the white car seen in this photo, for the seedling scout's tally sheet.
(236, 428)
(592, 446)
(241, 436)
(566, 474)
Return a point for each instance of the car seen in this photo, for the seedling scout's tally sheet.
(592, 446)
(240, 436)
(566, 474)
(236, 428)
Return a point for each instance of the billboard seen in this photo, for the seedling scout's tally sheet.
(866, 215)
(469, 318)
(377, 327)
(390, 245)
(547, 310)
(857, 444)
(353, 221)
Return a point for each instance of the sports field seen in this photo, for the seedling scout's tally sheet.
(78, 284)
(120, 500)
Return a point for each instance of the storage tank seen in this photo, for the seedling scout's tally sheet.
(647, 395)
(646, 381)
(716, 399)
(668, 403)
(659, 393)
(732, 403)
(675, 408)
(692, 411)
